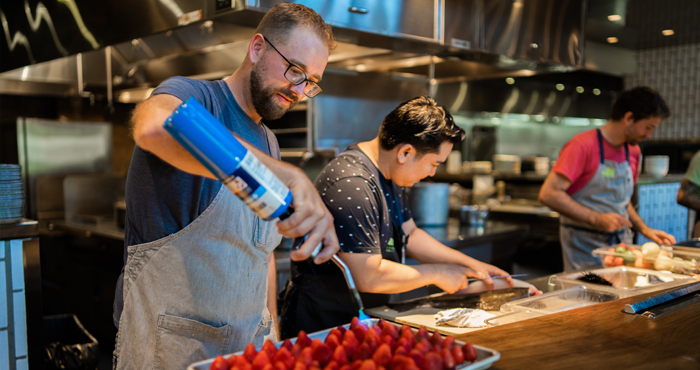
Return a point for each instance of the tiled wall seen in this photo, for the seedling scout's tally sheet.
(13, 323)
(675, 73)
(659, 210)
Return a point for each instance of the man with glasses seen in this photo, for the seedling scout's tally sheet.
(198, 278)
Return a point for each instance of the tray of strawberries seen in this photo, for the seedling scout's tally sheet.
(361, 345)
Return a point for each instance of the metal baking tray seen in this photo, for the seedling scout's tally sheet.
(627, 281)
(486, 356)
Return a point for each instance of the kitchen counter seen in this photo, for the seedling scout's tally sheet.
(596, 337)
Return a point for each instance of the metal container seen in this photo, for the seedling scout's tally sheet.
(429, 202)
(473, 215)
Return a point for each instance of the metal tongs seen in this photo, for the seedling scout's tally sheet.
(296, 243)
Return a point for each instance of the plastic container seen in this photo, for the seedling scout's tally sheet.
(627, 281)
(688, 265)
(68, 345)
(561, 300)
(486, 356)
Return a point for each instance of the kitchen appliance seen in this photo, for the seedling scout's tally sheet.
(429, 202)
(656, 165)
(507, 164)
(538, 165)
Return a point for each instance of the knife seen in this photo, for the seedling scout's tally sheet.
(498, 277)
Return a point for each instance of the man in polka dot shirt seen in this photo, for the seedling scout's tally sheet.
(364, 189)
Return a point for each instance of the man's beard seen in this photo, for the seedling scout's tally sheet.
(264, 99)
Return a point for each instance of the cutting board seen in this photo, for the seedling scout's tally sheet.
(417, 317)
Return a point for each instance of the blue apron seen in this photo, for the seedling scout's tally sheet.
(610, 190)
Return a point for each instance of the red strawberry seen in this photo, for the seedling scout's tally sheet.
(350, 336)
(268, 367)
(403, 342)
(350, 348)
(382, 356)
(306, 356)
(345, 367)
(368, 365)
(245, 366)
(458, 354)
(299, 366)
(437, 348)
(391, 330)
(449, 342)
(296, 349)
(424, 346)
(381, 323)
(353, 323)
(260, 360)
(406, 328)
(390, 341)
(417, 357)
(423, 333)
(340, 356)
(372, 342)
(332, 366)
(332, 342)
(356, 365)
(314, 366)
(342, 329)
(337, 333)
(285, 357)
(287, 344)
(281, 366)
(315, 344)
(250, 352)
(363, 352)
(219, 363)
(448, 362)
(304, 339)
(239, 362)
(436, 339)
(359, 332)
(400, 351)
(470, 353)
(322, 354)
(231, 360)
(270, 348)
(402, 363)
(408, 334)
(432, 361)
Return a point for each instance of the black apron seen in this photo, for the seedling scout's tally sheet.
(316, 297)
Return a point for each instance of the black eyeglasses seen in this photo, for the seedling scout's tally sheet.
(296, 75)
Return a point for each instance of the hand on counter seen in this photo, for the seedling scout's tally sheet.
(483, 271)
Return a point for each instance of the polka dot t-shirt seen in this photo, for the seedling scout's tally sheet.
(361, 201)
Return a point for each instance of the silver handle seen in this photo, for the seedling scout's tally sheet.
(358, 10)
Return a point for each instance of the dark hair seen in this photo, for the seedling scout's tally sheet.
(642, 101)
(422, 123)
(283, 18)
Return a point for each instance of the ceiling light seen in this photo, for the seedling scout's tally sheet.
(667, 32)
(612, 40)
(560, 87)
(510, 80)
(614, 17)
(596, 91)
(579, 89)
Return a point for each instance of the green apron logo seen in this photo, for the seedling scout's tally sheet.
(390, 245)
(608, 172)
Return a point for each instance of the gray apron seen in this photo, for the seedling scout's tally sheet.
(199, 292)
(610, 190)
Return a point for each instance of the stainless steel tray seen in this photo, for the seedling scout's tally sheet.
(486, 356)
(624, 280)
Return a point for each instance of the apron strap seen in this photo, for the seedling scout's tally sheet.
(627, 152)
(600, 146)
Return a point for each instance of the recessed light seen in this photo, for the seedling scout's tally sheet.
(667, 32)
(614, 17)
(596, 91)
(510, 80)
(579, 89)
(560, 87)
(612, 40)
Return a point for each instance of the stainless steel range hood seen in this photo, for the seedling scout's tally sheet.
(137, 44)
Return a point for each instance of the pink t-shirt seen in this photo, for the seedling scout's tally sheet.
(580, 157)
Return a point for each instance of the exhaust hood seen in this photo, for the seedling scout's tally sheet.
(122, 49)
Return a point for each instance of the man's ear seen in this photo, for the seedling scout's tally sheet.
(628, 118)
(405, 152)
(255, 47)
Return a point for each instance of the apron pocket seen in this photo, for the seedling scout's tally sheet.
(265, 329)
(181, 341)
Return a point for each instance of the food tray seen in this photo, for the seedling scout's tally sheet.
(624, 280)
(511, 318)
(680, 267)
(486, 356)
(561, 300)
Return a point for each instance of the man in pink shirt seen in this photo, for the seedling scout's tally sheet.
(592, 183)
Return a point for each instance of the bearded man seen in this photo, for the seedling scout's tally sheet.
(197, 262)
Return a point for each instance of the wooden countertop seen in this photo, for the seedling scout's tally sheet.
(597, 337)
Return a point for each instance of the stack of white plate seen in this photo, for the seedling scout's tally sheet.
(656, 165)
(11, 193)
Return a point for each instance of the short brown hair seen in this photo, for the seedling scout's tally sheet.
(284, 17)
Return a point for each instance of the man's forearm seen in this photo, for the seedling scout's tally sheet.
(563, 203)
(689, 195)
(637, 222)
